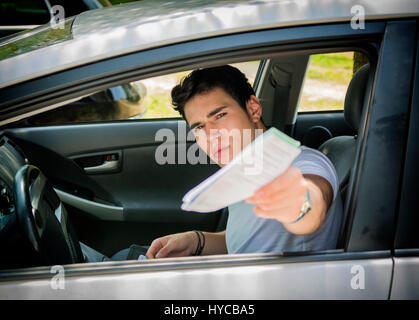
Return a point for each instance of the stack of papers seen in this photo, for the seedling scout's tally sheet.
(267, 157)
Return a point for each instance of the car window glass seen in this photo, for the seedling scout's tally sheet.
(326, 81)
(30, 40)
(145, 99)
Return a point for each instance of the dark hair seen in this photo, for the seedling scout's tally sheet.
(200, 81)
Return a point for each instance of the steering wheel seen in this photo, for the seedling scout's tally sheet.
(44, 219)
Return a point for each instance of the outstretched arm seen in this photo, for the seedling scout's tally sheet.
(283, 198)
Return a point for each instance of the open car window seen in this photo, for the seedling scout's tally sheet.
(144, 99)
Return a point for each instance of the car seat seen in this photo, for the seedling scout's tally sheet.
(341, 150)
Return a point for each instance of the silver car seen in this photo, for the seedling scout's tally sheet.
(77, 169)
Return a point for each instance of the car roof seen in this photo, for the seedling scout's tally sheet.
(112, 31)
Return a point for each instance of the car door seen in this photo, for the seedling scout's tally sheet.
(131, 202)
(362, 268)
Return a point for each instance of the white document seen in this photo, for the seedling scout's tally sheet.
(267, 157)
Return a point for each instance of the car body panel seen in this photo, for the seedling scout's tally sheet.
(406, 278)
(238, 277)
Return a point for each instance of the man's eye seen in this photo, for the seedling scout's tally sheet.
(220, 115)
(197, 128)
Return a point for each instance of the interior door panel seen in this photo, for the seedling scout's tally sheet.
(132, 200)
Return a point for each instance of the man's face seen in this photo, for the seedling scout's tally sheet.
(221, 127)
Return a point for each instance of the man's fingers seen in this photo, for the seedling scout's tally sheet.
(166, 250)
(282, 182)
(273, 200)
(155, 247)
(175, 245)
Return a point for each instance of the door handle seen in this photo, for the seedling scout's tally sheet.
(107, 166)
(100, 162)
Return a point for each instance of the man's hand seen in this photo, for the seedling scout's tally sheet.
(184, 244)
(282, 199)
(174, 245)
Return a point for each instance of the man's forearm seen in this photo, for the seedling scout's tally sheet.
(215, 243)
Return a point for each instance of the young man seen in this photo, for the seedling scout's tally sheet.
(219, 105)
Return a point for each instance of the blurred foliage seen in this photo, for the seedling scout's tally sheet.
(359, 60)
(160, 106)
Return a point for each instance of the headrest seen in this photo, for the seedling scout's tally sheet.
(354, 99)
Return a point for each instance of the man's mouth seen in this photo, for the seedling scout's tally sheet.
(219, 151)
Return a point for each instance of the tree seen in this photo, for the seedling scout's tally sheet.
(359, 60)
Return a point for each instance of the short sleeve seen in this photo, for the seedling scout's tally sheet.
(311, 161)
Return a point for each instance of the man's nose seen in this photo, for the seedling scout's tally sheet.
(212, 132)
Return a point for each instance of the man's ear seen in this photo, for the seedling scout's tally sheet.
(254, 109)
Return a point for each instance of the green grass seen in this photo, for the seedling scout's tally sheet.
(333, 60)
(320, 105)
(159, 106)
(329, 75)
(336, 67)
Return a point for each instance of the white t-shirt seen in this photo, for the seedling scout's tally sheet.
(247, 233)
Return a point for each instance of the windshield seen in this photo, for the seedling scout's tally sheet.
(40, 37)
